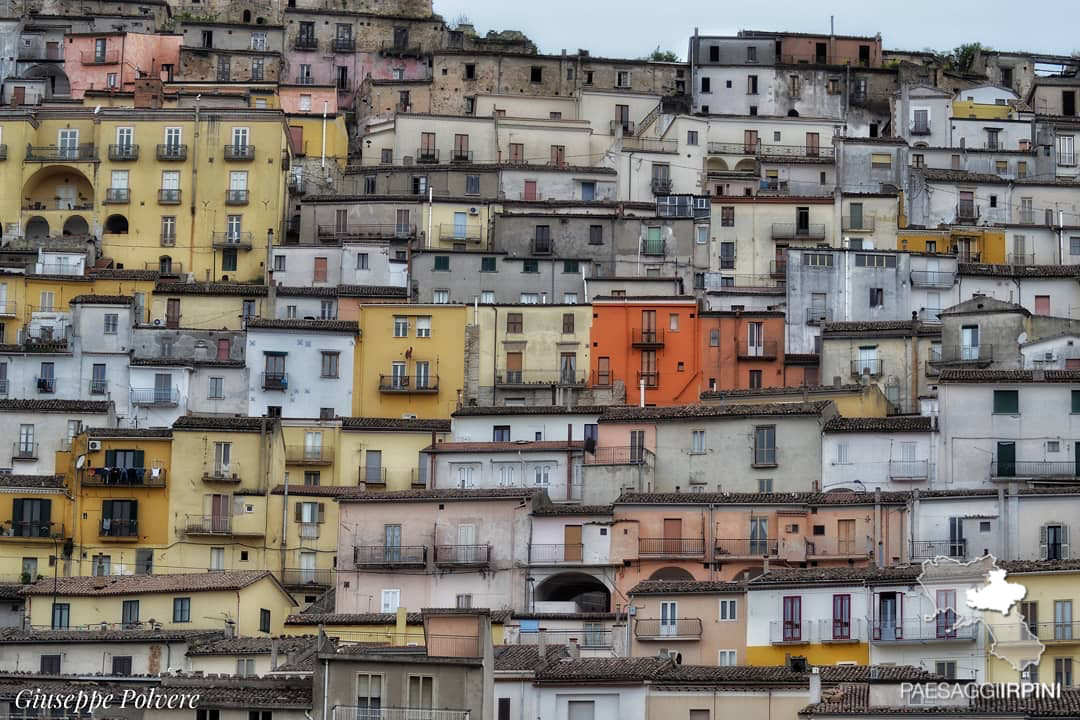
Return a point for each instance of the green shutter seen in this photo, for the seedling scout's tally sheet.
(1007, 402)
(1076, 401)
(45, 510)
(110, 458)
(140, 457)
(17, 510)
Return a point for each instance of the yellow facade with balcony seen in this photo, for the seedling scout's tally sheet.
(410, 361)
(329, 139)
(453, 223)
(178, 190)
(400, 629)
(969, 244)
(207, 306)
(35, 523)
(971, 110)
(383, 453)
(557, 350)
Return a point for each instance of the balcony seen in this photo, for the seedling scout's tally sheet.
(653, 246)
(732, 148)
(115, 528)
(236, 197)
(801, 152)
(8, 308)
(602, 378)
(275, 381)
(650, 338)
(309, 454)
(366, 230)
(930, 549)
(671, 547)
(680, 629)
(297, 185)
(858, 224)
(427, 155)
(24, 451)
(765, 350)
(932, 278)
(542, 246)
(822, 547)
(409, 384)
(208, 525)
(168, 196)
(818, 316)
(1034, 469)
(222, 473)
(109, 57)
(61, 153)
(661, 186)
(124, 477)
(967, 213)
(521, 378)
(461, 233)
(31, 529)
(777, 268)
(350, 712)
(236, 151)
(305, 80)
(556, 554)
(632, 143)
(172, 152)
(874, 367)
(1056, 632)
(650, 379)
(962, 355)
(168, 240)
(343, 44)
(155, 397)
(390, 556)
(461, 156)
(117, 196)
(1021, 259)
(238, 240)
(903, 470)
(919, 128)
(306, 42)
(301, 578)
(738, 548)
(120, 153)
(619, 455)
(462, 555)
(796, 231)
(4, 385)
(628, 126)
(917, 631)
(3, 151)
(790, 632)
(591, 638)
(45, 385)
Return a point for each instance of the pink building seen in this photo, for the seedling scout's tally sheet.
(348, 70)
(106, 61)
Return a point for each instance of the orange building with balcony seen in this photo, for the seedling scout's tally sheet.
(648, 339)
(742, 350)
(113, 60)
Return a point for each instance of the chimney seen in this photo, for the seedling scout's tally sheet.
(148, 93)
(230, 629)
(273, 653)
(541, 643)
(1038, 374)
(815, 686)
(573, 648)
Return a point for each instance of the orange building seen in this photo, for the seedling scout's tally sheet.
(742, 349)
(655, 340)
(114, 60)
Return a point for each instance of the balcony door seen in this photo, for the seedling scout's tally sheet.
(792, 619)
(969, 342)
(1006, 459)
(648, 325)
(957, 542)
(759, 536)
(946, 620)
(220, 512)
(672, 534)
(460, 220)
(845, 537)
(669, 618)
(889, 616)
(313, 445)
(373, 466)
(572, 543)
(162, 388)
(1063, 629)
(68, 143)
(513, 367)
(802, 221)
(392, 543)
(755, 339)
(467, 552)
(307, 566)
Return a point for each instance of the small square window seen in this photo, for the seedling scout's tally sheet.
(764, 485)
(1053, 446)
(487, 264)
(530, 266)
(984, 526)
(442, 263)
(1007, 402)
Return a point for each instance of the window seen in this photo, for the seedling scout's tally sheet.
(691, 137)
(111, 322)
(50, 664)
(569, 298)
(841, 617)
(130, 614)
(536, 74)
(119, 518)
(697, 442)
(727, 256)
(487, 264)
(1065, 150)
(61, 616)
(421, 693)
(754, 380)
(673, 322)
(1063, 672)
(946, 668)
(423, 326)
(514, 323)
(361, 261)
(727, 610)
(472, 184)
(542, 475)
(181, 610)
(442, 263)
(264, 620)
(723, 658)
(727, 216)
(440, 297)
(217, 388)
(568, 324)
(875, 261)
(764, 485)
(368, 694)
(228, 259)
(1007, 402)
(765, 445)
(622, 78)
(330, 364)
(596, 235)
(841, 454)
(877, 297)
(881, 161)
(500, 433)
(751, 84)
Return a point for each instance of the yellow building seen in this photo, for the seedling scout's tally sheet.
(35, 525)
(410, 360)
(969, 109)
(400, 628)
(254, 602)
(168, 189)
(207, 306)
(455, 223)
(851, 400)
(970, 244)
(320, 138)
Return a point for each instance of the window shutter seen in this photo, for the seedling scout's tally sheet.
(322, 512)
(1042, 543)
(134, 507)
(140, 458)
(110, 458)
(1064, 541)
(299, 512)
(107, 512)
(46, 511)
(899, 616)
(237, 505)
(17, 509)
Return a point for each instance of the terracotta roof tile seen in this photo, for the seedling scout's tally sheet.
(1035, 566)
(153, 432)
(210, 288)
(215, 423)
(956, 375)
(884, 327)
(19, 635)
(525, 658)
(780, 498)
(1032, 271)
(782, 391)
(442, 495)
(564, 509)
(500, 410)
(31, 481)
(599, 669)
(141, 584)
(522, 446)
(101, 300)
(47, 406)
(895, 424)
(372, 291)
(685, 587)
(689, 412)
(962, 176)
(252, 645)
(845, 574)
(373, 423)
(315, 490)
(346, 326)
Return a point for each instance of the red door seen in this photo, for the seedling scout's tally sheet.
(792, 618)
(530, 190)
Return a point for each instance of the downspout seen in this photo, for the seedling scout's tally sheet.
(430, 196)
(194, 186)
(324, 106)
(495, 355)
(325, 686)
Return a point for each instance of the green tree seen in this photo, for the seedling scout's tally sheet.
(962, 57)
(659, 55)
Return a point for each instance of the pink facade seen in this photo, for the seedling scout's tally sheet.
(357, 66)
(100, 61)
(293, 102)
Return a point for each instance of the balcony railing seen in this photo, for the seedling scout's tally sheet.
(650, 145)
(45, 385)
(168, 196)
(462, 555)
(858, 224)
(661, 185)
(960, 354)
(218, 473)
(1034, 469)
(124, 152)
(919, 128)
(208, 524)
(746, 547)
(873, 368)
(155, 397)
(60, 153)
(305, 80)
(390, 556)
(309, 454)
(343, 44)
(932, 278)
(306, 42)
(585, 638)
(777, 268)
(765, 350)
(168, 239)
(818, 316)
(787, 632)
(795, 231)
(3, 151)
(40, 529)
(350, 712)
(275, 381)
(241, 240)
(172, 151)
(461, 233)
(124, 477)
(679, 629)
(1020, 259)
(117, 196)
(7, 308)
(650, 379)
(1064, 631)
(367, 230)
(929, 549)
(236, 197)
(619, 455)
(671, 547)
(542, 246)
(648, 338)
(732, 148)
(24, 451)
(602, 378)
(109, 57)
(940, 629)
(514, 378)
(836, 547)
(307, 577)
(795, 151)
(909, 469)
(461, 156)
(409, 383)
(653, 246)
(236, 151)
(112, 527)
(556, 554)
(427, 155)
(966, 213)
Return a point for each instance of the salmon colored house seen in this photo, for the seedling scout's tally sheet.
(742, 350)
(650, 340)
(113, 60)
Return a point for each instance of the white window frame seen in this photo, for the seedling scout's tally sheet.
(390, 600)
(423, 326)
(697, 442)
(728, 610)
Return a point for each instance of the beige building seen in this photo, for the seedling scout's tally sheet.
(705, 621)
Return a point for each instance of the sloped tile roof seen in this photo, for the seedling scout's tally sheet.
(69, 406)
(101, 300)
(1030, 271)
(209, 288)
(956, 375)
(19, 635)
(500, 410)
(252, 645)
(896, 424)
(790, 498)
(216, 423)
(163, 432)
(604, 669)
(681, 412)
(441, 495)
(685, 587)
(141, 584)
(346, 326)
(845, 574)
(375, 423)
(524, 658)
(511, 446)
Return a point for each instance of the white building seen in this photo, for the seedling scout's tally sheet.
(33, 430)
(552, 465)
(159, 391)
(95, 652)
(527, 422)
(890, 453)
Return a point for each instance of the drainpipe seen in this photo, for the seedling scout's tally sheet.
(325, 103)
(325, 685)
(879, 541)
(495, 354)
(430, 196)
(194, 186)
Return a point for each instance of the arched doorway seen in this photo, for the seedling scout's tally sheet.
(676, 574)
(56, 80)
(247, 16)
(116, 225)
(76, 225)
(586, 592)
(793, 113)
(37, 228)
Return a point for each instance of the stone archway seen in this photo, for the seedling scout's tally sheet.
(76, 225)
(116, 225)
(56, 79)
(37, 228)
(586, 592)
(672, 573)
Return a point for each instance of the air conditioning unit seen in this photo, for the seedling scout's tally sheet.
(93, 445)
(408, 416)
(474, 211)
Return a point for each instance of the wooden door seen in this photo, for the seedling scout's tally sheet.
(845, 535)
(220, 512)
(513, 367)
(672, 535)
(812, 144)
(572, 543)
(18, 95)
(530, 190)
(172, 313)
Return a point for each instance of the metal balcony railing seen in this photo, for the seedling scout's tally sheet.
(602, 378)
(60, 153)
(168, 239)
(236, 197)
(208, 524)
(940, 629)
(654, 246)
(858, 224)
(967, 212)
(462, 555)
(929, 549)
(932, 278)
(783, 632)
(241, 240)
(236, 151)
(793, 231)
(649, 337)
(3, 151)
(746, 547)
(678, 629)
(351, 712)
(619, 455)
(764, 350)
(818, 316)
(919, 128)
(155, 397)
(409, 383)
(1034, 469)
(1020, 259)
(556, 553)
(124, 152)
(117, 196)
(651, 379)
(390, 556)
(661, 185)
(372, 475)
(628, 126)
(109, 57)
(542, 246)
(795, 151)
(836, 547)
(427, 155)
(309, 454)
(305, 80)
(461, 156)
(586, 637)
(343, 44)
(113, 527)
(960, 354)
(367, 230)
(306, 42)
(777, 268)
(40, 529)
(909, 469)
(275, 381)
(539, 377)
(732, 148)
(649, 145)
(124, 477)
(222, 473)
(172, 151)
(872, 367)
(1063, 631)
(168, 196)
(45, 384)
(461, 233)
(671, 547)
(307, 577)
(24, 450)
(7, 308)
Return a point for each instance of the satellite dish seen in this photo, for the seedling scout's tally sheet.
(80, 462)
